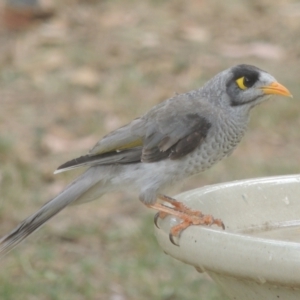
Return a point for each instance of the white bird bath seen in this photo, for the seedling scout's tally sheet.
(257, 256)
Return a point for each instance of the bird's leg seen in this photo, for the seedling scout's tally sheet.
(180, 206)
(163, 211)
(166, 210)
(162, 215)
(188, 216)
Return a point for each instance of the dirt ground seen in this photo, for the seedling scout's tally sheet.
(94, 66)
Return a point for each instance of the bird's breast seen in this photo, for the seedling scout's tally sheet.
(219, 143)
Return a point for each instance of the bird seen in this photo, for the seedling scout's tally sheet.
(177, 138)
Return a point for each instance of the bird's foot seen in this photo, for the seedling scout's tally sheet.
(188, 216)
(189, 220)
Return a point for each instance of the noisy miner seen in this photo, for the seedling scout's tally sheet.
(177, 138)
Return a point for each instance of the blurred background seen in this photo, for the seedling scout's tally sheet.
(73, 70)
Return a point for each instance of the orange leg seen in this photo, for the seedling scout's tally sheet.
(180, 206)
(188, 216)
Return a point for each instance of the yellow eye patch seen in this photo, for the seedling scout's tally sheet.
(240, 83)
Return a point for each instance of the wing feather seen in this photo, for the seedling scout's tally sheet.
(170, 130)
(175, 147)
(125, 137)
(128, 156)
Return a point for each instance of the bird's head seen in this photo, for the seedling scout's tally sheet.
(246, 86)
(242, 87)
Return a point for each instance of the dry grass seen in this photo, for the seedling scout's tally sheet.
(93, 67)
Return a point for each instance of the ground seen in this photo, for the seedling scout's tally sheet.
(94, 66)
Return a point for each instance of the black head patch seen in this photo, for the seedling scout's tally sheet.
(250, 73)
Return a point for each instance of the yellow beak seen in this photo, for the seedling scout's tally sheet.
(276, 88)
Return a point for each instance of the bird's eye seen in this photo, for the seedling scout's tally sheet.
(245, 82)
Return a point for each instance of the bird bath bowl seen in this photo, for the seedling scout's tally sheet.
(257, 256)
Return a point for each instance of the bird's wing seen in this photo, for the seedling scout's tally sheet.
(171, 129)
(175, 129)
(127, 156)
(126, 137)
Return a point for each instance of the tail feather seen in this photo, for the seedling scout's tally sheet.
(71, 193)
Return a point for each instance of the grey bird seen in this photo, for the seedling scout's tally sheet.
(177, 138)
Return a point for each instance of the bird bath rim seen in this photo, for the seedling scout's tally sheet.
(234, 252)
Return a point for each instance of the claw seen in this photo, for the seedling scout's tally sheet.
(222, 225)
(155, 219)
(219, 223)
(171, 237)
(159, 215)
